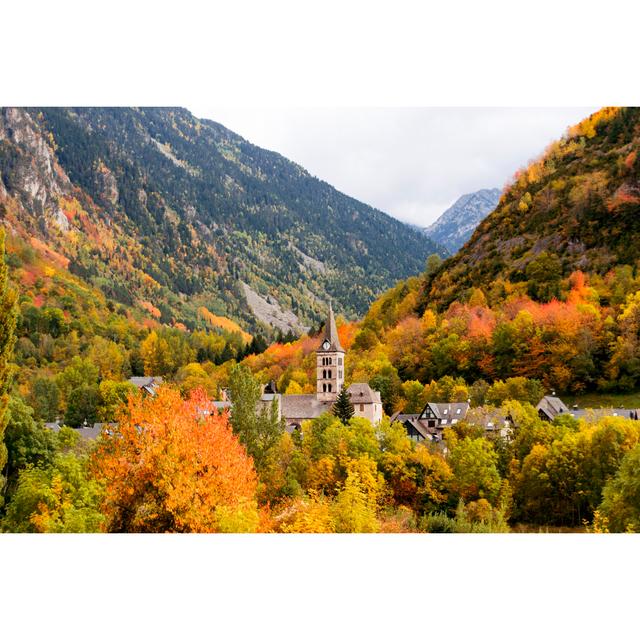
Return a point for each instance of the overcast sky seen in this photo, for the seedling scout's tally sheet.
(412, 163)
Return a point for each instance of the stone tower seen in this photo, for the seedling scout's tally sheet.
(330, 362)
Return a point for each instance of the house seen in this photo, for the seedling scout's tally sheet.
(148, 384)
(435, 417)
(86, 432)
(366, 402)
(432, 420)
(550, 407)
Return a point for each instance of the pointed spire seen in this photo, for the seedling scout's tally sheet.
(331, 331)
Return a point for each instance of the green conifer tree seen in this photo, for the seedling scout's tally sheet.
(257, 426)
(343, 409)
(8, 314)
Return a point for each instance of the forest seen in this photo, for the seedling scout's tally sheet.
(175, 462)
(193, 468)
(167, 214)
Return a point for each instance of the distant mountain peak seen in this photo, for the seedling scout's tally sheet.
(455, 226)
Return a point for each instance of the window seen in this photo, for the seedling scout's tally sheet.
(457, 410)
(444, 421)
(361, 407)
(445, 411)
(324, 388)
(340, 373)
(329, 387)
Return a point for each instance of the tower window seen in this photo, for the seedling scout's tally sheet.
(329, 385)
(324, 388)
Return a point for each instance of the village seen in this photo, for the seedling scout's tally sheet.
(426, 426)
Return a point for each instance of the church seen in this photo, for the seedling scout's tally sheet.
(330, 363)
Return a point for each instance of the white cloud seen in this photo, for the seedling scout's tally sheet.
(409, 162)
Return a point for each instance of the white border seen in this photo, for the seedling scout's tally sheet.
(346, 53)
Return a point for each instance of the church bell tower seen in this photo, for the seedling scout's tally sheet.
(330, 362)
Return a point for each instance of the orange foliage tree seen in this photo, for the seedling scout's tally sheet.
(174, 465)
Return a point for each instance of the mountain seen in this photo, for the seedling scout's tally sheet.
(547, 288)
(577, 207)
(175, 217)
(455, 226)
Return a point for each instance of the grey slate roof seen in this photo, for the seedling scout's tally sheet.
(148, 383)
(596, 414)
(302, 406)
(552, 406)
(86, 433)
(362, 393)
(448, 410)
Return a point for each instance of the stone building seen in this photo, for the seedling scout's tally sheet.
(330, 364)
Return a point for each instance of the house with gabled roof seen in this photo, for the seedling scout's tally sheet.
(435, 417)
(432, 420)
(550, 407)
(148, 384)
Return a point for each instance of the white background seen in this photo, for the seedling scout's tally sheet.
(289, 54)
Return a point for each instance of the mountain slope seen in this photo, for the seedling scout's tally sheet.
(171, 214)
(455, 226)
(577, 207)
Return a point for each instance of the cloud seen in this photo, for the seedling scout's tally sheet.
(411, 163)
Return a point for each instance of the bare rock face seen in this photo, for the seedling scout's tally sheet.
(107, 184)
(269, 311)
(35, 177)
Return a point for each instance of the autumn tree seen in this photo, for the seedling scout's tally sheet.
(544, 274)
(621, 495)
(157, 357)
(44, 397)
(432, 264)
(8, 312)
(415, 396)
(355, 507)
(111, 396)
(58, 498)
(473, 463)
(82, 406)
(175, 465)
(110, 358)
(416, 477)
